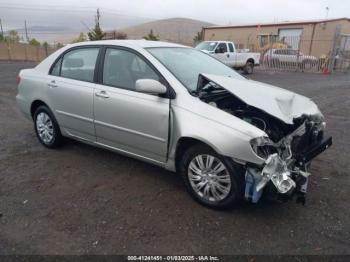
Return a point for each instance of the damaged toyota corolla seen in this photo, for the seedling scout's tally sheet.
(230, 138)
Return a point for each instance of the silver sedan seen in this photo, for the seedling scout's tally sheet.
(230, 138)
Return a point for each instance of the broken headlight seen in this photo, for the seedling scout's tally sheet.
(276, 170)
(262, 146)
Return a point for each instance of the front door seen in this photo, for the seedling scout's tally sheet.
(126, 120)
(222, 53)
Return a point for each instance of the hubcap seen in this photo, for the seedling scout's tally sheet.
(209, 178)
(44, 127)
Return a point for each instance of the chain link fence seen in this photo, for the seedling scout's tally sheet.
(24, 52)
(294, 53)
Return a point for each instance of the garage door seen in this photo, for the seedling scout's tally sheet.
(291, 36)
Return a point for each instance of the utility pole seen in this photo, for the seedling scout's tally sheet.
(1, 30)
(26, 30)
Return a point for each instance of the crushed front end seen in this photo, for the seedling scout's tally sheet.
(285, 171)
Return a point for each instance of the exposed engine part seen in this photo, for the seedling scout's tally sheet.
(277, 171)
(287, 148)
(283, 179)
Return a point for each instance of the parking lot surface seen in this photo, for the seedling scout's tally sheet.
(84, 200)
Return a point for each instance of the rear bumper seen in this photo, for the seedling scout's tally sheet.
(23, 106)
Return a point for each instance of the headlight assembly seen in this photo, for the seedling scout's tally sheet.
(262, 146)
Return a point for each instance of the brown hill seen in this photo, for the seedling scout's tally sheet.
(178, 30)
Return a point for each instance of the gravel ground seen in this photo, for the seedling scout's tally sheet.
(84, 200)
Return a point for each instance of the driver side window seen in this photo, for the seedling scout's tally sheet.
(123, 68)
(222, 48)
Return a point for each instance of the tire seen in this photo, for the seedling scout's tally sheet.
(231, 178)
(248, 68)
(46, 128)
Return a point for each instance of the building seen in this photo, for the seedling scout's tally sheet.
(310, 37)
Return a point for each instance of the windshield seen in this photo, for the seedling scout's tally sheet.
(209, 46)
(186, 64)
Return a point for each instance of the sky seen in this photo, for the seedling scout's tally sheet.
(78, 14)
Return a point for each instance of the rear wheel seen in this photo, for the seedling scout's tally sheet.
(211, 179)
(46, 127)
(248, 68)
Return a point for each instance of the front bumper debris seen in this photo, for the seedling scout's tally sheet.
(283, 178)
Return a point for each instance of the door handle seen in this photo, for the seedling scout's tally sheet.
(228, 55)
(102, 94)
(52, 84)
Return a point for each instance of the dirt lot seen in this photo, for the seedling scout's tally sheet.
(84, 200)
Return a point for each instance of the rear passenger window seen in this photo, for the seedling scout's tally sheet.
(80, 64)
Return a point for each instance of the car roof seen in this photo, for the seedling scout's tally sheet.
(142, 43)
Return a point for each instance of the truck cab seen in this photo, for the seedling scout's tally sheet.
(226, 52)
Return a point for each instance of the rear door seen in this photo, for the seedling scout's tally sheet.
(126, 120)
(71, 89)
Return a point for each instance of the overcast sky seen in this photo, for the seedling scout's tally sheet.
(119, 13)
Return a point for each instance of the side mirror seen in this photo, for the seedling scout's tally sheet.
(150, 86)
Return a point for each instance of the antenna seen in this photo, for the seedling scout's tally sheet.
(83, 23)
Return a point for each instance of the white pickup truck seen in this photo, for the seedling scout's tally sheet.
(227, 53)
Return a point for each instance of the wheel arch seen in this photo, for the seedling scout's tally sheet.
(251, 60)
(35, 104)
(184, 143)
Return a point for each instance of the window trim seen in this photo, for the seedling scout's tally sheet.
(170, 94)
(61, 56)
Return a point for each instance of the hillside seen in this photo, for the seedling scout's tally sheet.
(179, 30)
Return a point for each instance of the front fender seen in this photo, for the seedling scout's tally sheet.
(222, 138)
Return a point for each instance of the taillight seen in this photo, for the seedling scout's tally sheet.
(18, 80)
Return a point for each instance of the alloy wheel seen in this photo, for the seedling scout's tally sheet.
(44, 127)
(209, 178)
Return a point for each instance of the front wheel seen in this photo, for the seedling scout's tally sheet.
(211, 179)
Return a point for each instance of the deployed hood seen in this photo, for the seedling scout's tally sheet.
(280, 103)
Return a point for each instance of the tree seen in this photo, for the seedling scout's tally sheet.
(198, 37)
(120, 35)
(96, 33)
(12, 37)
(80, 38)
(151, 36)
(59, 45)
(34, 42)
